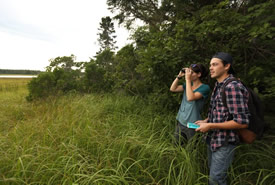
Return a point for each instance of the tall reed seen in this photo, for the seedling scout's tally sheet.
(12, 84)
(108, 139)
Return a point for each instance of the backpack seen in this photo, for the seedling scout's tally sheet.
(256, 120)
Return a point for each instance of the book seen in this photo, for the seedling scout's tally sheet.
(192, 125)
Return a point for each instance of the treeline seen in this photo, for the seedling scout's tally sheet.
(18, 71)
(175, 34)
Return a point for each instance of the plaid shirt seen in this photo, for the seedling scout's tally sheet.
(237, 99)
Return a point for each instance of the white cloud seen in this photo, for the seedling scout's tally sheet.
(34, 31)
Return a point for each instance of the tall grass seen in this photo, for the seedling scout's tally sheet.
(13, 84)
(108, 139)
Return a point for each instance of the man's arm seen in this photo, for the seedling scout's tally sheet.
(238, 108)
(228, 125)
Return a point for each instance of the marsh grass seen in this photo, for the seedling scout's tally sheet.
(108, 139)
(12, 84)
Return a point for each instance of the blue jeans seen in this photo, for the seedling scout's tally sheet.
(219, 161)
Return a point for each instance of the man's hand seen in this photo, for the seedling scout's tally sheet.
(204, 126)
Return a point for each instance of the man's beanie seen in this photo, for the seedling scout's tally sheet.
(227, 58)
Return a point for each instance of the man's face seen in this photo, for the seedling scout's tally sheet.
(217, 69)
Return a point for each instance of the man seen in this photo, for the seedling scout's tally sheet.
(222, 122)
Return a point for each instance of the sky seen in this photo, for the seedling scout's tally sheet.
(34, 31)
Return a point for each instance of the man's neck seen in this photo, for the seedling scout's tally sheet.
(221, 78)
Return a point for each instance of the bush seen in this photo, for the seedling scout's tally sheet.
(96, 79)
(60, 77)
(42, 86)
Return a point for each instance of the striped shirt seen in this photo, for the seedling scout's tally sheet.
(237, 109)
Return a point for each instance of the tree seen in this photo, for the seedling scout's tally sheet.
(105, 59)
(66, 62)
(155, 13)
(94, 77)
(129, 10)
(125, 75)
(106, 35)
(62, 75)
(244, 30)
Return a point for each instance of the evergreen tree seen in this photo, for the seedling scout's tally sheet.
(106, 35)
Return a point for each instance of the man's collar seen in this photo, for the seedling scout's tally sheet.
(219, 84)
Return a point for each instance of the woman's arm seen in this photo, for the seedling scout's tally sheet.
(191, 96)
(175, 87)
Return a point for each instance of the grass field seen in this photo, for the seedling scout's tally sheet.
(13, 84)
(108, 139)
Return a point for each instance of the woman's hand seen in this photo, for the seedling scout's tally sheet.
(188, 73)
(181, 74)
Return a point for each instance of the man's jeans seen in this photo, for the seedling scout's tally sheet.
(218, 162)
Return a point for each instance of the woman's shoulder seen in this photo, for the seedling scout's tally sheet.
(205, 87)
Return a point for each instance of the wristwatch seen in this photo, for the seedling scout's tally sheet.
(179, 77)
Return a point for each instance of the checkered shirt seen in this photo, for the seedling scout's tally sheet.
(237, 99)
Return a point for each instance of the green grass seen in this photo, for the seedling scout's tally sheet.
(108, 139)
(13, 84)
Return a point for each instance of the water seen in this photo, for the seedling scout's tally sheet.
(18, 76)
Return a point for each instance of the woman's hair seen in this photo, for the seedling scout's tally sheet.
(199, 68)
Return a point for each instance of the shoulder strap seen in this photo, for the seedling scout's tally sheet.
(224, 101)
(223, 89)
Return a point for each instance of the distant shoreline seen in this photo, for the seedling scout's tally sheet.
(17, 76)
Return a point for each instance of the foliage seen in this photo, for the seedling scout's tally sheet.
(95, 78)
(60, 77)
(15, 71)
(175, 35)
(154, 13)
(66, 62)
(106, 36)
(109, 139)
(130, 10)
(42, 86)
(243, 30)
(105, 59)
(13, 84)
(125, 75)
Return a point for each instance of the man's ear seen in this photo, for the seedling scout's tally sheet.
(227, 67)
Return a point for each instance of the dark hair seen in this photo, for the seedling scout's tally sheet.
(199, 68)
(226, 59)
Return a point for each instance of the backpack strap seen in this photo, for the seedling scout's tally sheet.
(225, 104)
(223, 89)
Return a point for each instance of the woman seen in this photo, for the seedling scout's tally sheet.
(194, 95)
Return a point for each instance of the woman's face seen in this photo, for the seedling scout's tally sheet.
(194, 75)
